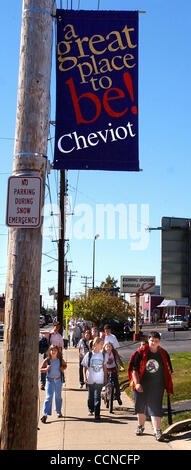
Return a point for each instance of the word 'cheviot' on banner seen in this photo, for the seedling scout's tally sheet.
(97, 90)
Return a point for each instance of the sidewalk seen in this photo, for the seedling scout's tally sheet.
(77, 431)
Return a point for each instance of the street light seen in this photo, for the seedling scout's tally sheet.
(95, 238)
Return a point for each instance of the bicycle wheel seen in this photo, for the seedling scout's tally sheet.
(106, 397)
(111, 399)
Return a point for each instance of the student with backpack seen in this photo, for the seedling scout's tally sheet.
(51, 337)
(95, 375)
(53, 366)
(83, 349)
(112, 358)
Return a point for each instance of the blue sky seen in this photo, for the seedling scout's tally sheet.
(162, 188)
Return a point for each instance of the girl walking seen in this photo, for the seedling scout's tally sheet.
(112, 358)
(53, 365)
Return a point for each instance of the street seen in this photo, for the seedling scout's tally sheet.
(180, 341)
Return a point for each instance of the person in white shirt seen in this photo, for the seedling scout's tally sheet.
(55, 337)
(109, 337)
(95, 375)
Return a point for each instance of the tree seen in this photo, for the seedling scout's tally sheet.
(99, 305)
(109, 283)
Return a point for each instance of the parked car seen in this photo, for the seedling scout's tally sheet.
(1, 331)
(177, 322)
(42, 321)
(117, 327)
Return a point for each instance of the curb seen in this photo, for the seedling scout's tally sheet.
(180, 426)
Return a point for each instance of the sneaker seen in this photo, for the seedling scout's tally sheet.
(158, 435)
(43, 419)
(140, 430)
(42, 387)
(81, 385)
(60, 415)
(90, 413)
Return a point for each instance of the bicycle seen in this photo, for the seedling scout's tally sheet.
(109, 393)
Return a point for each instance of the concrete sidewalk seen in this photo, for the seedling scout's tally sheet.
(77, 431)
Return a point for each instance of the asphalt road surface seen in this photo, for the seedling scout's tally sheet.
(173, 342)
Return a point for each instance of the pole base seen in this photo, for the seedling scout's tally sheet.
(136, 336)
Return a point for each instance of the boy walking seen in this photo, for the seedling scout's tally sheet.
(150, 373)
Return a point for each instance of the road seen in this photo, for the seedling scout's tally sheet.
(180, 341)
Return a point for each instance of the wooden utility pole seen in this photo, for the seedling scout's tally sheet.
(61, 245)
(136, 335)
(20, 382)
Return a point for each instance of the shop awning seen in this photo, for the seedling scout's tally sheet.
(167, 303)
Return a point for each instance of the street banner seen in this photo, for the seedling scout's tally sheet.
(97, 90)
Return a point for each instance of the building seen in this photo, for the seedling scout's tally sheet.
(154, 308)
(174, 307)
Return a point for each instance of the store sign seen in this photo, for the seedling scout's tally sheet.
(24, 201)
(137, 284)
(97, 90)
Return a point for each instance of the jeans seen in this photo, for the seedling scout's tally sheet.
(43, 374)
(114, 379)
(75, 341)
(94, 398)
(81, 377)
(52, 386)
(65, 343)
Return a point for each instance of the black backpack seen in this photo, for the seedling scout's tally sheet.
(43, 345)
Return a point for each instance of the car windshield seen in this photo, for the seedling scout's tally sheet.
(176, 318)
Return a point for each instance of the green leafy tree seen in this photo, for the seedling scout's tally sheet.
(99, 305)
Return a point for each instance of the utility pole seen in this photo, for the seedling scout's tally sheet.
(61, 247)
(70, 281)
(93, 276)
(20, 365)
(86, 283)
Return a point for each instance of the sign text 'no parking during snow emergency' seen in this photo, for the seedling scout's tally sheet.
(24, 201)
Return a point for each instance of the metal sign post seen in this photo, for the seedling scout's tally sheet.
(67, 313)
